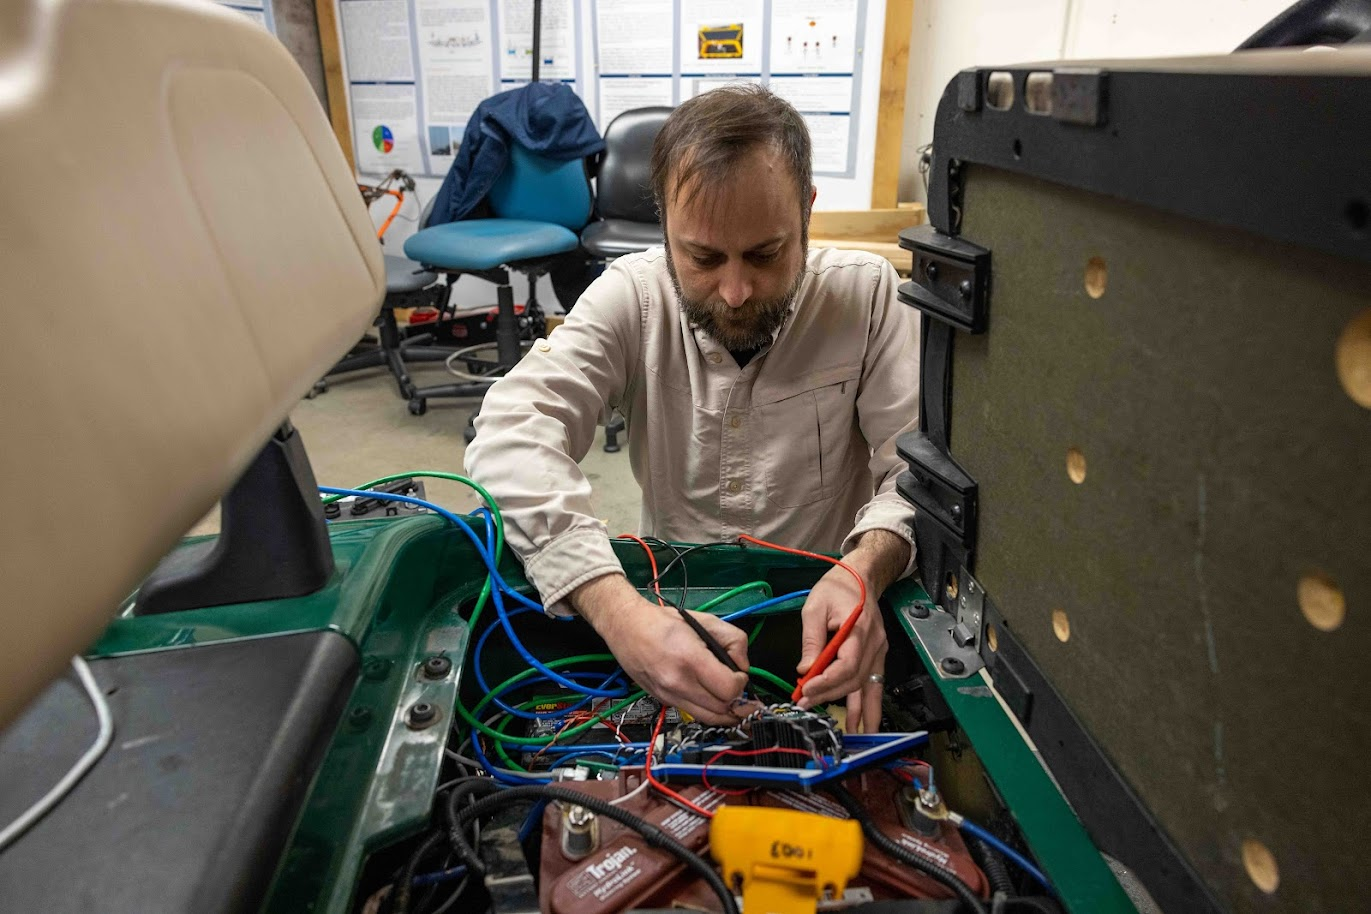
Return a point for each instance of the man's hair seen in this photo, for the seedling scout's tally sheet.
(705, 138)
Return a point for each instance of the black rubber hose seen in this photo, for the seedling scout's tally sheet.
(902, 854)
(995, 868)
(650, 833)
(456, 832)
(404, 886)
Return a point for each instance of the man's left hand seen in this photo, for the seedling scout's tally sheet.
(858, 670)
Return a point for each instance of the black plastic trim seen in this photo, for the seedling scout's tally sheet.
(1279, 155)
(273, 542)
(950, 278)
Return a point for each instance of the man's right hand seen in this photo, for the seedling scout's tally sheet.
(663, 654)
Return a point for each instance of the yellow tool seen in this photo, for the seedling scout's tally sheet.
(786, 860)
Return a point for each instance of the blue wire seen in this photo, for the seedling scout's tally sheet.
(603, 748)
(970, 827)
(498, 590)
(534, 815)
(765, 604)
(508, 778)
(457, 872)
(516, 712)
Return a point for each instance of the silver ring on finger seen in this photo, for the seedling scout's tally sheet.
(876, 679)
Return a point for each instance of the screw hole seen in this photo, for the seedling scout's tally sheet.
(1018, 149)
(1321, 601)
(1096, 277)
(1075, 465)
(1061, 625)
(1260, 864)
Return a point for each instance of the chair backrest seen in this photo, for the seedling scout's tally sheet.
(623, 188)
(542, 190)
(190, 255)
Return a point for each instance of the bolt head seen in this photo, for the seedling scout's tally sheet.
(919, 611)
(952, 666)
(437, 667)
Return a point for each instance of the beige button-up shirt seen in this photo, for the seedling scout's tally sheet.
(797, 447)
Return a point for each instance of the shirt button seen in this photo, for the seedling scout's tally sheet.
(715, 358)
(736, 422)
(544, 347)
(734, 486)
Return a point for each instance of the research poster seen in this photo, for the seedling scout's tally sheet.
(417, 69)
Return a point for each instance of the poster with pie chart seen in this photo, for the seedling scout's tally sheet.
(387, 129)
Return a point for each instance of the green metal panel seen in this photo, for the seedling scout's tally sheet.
(1056, 836)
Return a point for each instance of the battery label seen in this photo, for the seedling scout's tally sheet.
(607, 877)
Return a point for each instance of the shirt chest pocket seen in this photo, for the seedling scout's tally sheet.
(810, 441)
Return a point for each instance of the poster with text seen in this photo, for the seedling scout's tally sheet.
(810, 37)
(831, 136)
(634, 37)
(455, 62)
(556, 41)
(692, 86)
(386, 127)
(721, 36)
(815, 94)
(376, 40)
(624, 93)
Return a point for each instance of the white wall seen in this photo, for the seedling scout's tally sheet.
(951, 35)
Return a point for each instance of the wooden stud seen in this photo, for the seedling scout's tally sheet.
(885, 177)
(327, 13)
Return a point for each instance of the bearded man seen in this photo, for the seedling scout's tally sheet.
(763, 384)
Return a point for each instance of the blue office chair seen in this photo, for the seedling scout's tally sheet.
(540, 205)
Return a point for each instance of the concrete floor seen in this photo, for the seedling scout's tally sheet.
(360, 430)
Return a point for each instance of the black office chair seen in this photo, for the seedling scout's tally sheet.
(408, 285)
(626, 215)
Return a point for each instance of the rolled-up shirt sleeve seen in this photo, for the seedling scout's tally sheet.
(888, 406)
(538, 422)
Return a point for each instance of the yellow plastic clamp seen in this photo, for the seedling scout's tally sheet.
(786, 860)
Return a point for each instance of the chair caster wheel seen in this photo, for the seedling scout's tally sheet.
(418, 406)
(320, 387)
(611, 448)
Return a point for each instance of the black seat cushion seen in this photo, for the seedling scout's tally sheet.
(617, 237)
(404, 275)
(190, 809)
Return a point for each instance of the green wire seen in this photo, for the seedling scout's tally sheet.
(498, 736)
(730, 594)
(490, 503)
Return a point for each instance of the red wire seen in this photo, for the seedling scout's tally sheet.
(704, 772)
(658, 785)
(651, 560)
(831, 648)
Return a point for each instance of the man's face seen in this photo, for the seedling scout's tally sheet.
(736, 253)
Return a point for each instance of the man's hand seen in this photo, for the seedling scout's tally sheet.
(662, 654)
(879, 558)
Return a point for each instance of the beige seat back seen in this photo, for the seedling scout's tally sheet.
(184, 253)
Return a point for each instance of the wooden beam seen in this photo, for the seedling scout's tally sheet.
(885, 178)
(327, 12)
(874, 224)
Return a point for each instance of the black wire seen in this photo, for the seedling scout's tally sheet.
(679, 554)
(654, 836)
(456, 831)
(903, 854)
(996, 870)
(681, 557)
(404, 886)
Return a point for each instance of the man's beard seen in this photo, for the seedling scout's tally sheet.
(737, 329)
